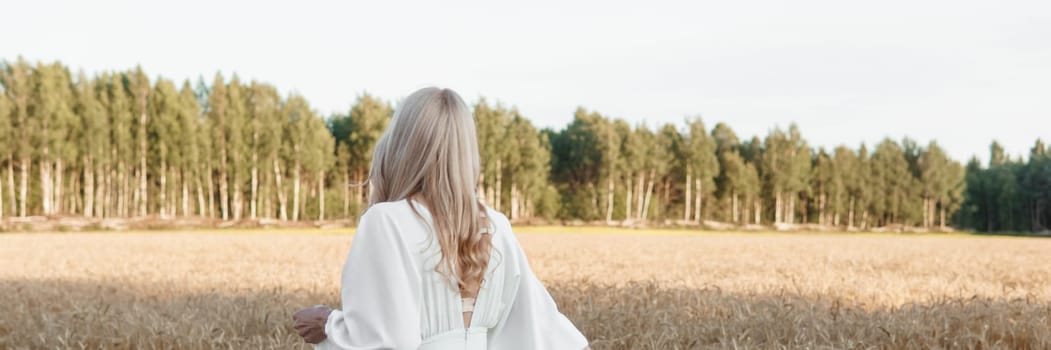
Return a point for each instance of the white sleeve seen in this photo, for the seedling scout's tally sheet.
(378, 290)
(534, 321)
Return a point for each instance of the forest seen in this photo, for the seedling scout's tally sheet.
(120, 144)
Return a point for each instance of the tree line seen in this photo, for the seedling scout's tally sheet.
(1010, 194)
(119, 144)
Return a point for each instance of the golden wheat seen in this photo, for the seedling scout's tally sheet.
(652, 290)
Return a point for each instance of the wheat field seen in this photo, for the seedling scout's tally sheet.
(624, 289)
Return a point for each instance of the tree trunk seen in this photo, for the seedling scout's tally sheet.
(254, 201)
(850, 213)
(698, 197)
(744, 210)
(1, 199)
(821, 210)
(686, 211)
(757, 210)
(941, 219)
(89, 187)
(346, 193)
(529, 209)
(640, 196)
(224, 195)
(665, 198)
(609, 198)
(237, 201)
(777, 207)
(45, 182)
(125, 191)
(649, 195)
(73, 203)
(359, 190)
(185, 193)
(109, 197)
(282, 198)
(733, 195)
(23, 187)
(57, 198)
(135, 193)
(201, 209)
(210, 177)
(11, 183)
(515, 208)
(266, 198)
(628, 204)
(104, 195)
(806, 210)
(321, 195)
(164, 188)
(925, 211)
(295, 192)
(142, 152)
(934, 206)
(499, 184)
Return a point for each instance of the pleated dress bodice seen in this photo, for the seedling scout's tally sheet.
(442, 322)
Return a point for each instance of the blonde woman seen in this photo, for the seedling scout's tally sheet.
(431, 267)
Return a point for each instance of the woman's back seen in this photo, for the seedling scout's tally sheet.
(442, 306)
(394, 299)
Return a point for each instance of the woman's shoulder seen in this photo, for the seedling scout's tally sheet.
(388, 209)
(498, 220)
(401, 210)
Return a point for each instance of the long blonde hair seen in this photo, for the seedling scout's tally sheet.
(430, 152)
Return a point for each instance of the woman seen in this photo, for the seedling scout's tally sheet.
(431, 267)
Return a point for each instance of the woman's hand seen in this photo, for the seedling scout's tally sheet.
(310, 323)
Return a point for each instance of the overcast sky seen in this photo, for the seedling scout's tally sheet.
(961, 72)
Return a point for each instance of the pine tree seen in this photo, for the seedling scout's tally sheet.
(797, 173)
(702, 168)
(822, 183)
(726, 142)
(50, 116)
(6, 142)
(264, 140)
(138, 86)
(93, 142)
(219, 124)
(737, 182)
(845, 185)
(776, 169)
(238, 145)
(191, 154)
(163, 127)
(892, 181)
(577, 163)
(298, 133)
(934, 180)
(671, 169)
(18, 88)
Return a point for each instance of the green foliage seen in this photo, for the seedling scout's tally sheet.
(117, 145)
(1007, 195)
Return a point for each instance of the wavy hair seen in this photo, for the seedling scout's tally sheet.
(430, 153)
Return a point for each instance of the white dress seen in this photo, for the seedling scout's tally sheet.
(393, 298)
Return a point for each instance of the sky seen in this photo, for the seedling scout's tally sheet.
(963, 73)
